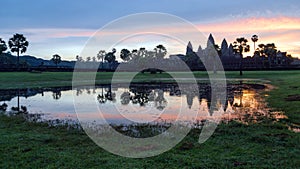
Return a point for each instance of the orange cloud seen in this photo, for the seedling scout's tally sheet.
(250, 25)
(283, 31)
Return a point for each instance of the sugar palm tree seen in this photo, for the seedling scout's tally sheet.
(18, 44)
(240, 46)
(56, 59)
(254, 39)
(142, 53)
(100, 56)
(161, 51)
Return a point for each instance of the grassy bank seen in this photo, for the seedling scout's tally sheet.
(263, 145)
(27, 145)
(14, 80)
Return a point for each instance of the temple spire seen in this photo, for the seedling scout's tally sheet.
(199, 49)
(211, 40)
(224, 48)
(189, 48)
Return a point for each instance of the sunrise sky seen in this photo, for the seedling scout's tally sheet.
(63, 27)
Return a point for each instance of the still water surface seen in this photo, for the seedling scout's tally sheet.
(142, 103)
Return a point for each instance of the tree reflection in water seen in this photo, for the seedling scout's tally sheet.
(144, 96)
(160, 101)
(56, 94)
(243, 102)
(125, 98)
(108, 95)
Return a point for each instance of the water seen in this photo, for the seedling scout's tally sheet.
(141, 103)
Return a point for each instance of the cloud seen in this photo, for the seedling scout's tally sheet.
(253, 24)
(283, 31)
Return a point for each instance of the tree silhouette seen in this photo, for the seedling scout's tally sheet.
(110, 56)
(56, 59)
(140, 96)
(3, 46)
(254, 39)
(111, 96)
(88, 59)
(240, 46)
(125, 98)
(79, 59)
(18, 43)
(100, 56)
(134, 54)
(125, 55)
(160, 51)
(160, 101)
(56, 94)
(269, 50)
(101, 97)
(142, 53)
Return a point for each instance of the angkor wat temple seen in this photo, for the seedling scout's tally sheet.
(231, 59)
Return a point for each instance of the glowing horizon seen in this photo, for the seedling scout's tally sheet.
(282, 30)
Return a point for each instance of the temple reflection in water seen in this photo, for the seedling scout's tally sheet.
(243, 102)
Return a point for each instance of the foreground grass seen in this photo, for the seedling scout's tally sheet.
(268, 145)
(263, 145)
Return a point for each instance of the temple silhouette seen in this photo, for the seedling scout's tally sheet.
(231, 59)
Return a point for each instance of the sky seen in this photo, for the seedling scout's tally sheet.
(64, 27)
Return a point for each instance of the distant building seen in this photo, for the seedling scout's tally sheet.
(231, 60)
(176, 57)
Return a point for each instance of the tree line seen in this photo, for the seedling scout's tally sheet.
(126, 55)
(18, 44)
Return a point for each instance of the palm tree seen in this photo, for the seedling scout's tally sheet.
(94, 59)
(254, 40)
(3, 46)
(101, 55)
(56, 59)
(240, 46)
(160, 101)
(161, 51)
(18, 43)
(88, 59)
(142, 53)
(125, 54)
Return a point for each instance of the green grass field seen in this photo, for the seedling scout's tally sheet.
(233, 145)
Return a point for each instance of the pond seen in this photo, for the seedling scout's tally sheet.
(140, 103)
